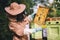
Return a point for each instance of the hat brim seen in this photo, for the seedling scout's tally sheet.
(16, 12)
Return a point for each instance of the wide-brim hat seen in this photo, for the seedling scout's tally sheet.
(15, 8)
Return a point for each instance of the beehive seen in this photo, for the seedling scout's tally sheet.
(53, 30)
(37, 35)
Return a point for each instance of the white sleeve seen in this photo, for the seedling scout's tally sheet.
(30, 31)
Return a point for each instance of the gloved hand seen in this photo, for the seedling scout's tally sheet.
(38, 29)
(49, 3)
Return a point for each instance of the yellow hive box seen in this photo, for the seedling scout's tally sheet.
(41, 15)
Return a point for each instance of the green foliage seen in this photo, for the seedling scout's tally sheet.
(58, 13)
(4, 30)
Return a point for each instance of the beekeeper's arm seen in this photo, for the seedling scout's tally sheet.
(30, 31)
(19, 30)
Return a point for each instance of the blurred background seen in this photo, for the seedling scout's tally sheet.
(5, 33)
